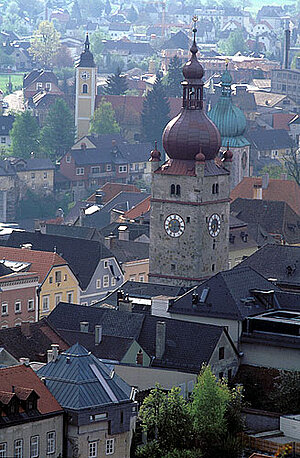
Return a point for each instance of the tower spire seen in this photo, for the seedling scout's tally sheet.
(87, 42)
(194, 47)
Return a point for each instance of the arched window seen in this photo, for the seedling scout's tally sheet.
(178, 190)
(213, 188)
(84, 88)
(172, 189)
(217, 188)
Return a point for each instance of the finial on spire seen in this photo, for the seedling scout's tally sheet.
(87, 42)
(155, 154)
(194, 48)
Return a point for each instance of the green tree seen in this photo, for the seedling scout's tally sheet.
(166, 419)
(25, 135)
(234, 43)
(286, 393)
(104, 120)
(156, 113)
(45, 44)
(97, 45)
(174, 77)
(116, 84)
(58, 134)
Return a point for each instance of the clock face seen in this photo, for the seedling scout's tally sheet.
(174, 225)
(85, 76)
(214, 225)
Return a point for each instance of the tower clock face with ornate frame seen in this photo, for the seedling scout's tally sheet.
(174, 225)
(214, 225)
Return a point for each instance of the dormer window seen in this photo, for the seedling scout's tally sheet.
(48, 86)
(39, 86)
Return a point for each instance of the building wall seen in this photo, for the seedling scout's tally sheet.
(131, 355)
(195, 254)
(269, 356)
(102, 281)
(290, 426)
(20, 291)
(136, 270)
(237, 256)
(57, 291)
(85, 102)
(228, 365)
(34, 428)
(240, 166)
(8, 198)
(38, 179)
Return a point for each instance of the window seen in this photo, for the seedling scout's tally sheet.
(45, 175)
(50, 442)
(70, 297)
(95, 169)
(84, 88)
(33, 186)
(50, 280)
(4, 309)
(172, 192)
(113, 281)
(30, 305)
(122, 168)
(57, 299)
(105, 264)
(188, 219)
(18, 307)
(39, 86)
(3, 449)
(45, 304)
(68, 158)
(18, 446)
(221, 353)
(98, 283)
(178, 191)
(141, 278)
(58, 276)
(80, 171)
(48, 86)
(3, 139)
(65, 277)
(105, 281)
(108, 167)
(33, 176)
(34, 446)
(110, 446)
(213, 267)
(92, 449)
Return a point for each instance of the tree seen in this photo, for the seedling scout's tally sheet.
(234, 43)
(63, 58)
(166, 419)
(174, 77)
(58, 134)
(116, 84)
(45, 44)
(104, 120)
(286, 393)
(97, 45)
(25, 135)
(155, 114)
(292, 164)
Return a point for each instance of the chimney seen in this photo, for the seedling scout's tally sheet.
(123, 233)
(84, 326)
(286, 46)
(124, 304)
(160, 339)
(265, 181)
(98, 198)
(109, 240)
(139, 357)
(25, 329)
(98, 334)
(49, 356)
(81, 216)
(55, 349)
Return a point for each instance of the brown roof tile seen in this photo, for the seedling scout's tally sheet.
(281, 120)
(24, 377)
(281, 190)
(111, 190)
(138, 210)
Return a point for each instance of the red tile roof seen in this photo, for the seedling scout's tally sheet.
(279, 190)
(281, 120)
(40, 261)
(138, 210)
(24, 377)
(111, 190)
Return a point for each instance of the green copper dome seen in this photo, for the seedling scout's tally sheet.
(228, 118)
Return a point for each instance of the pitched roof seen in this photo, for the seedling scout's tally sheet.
(78, 380)
(178, 41)
(33, 164)
(188, 344)
(78, 232)
(82, 255)
(31, 340)
(276, 217)
(39, 261)
(282, 120)
(231, 287)
(138, 210)
(127, 250)
(110, 190)
(269, 139)
(268, 99)
(24, 377)
(135, 229)
(282, 190)
(281, 262)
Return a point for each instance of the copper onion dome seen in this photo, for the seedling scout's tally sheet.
(191, 131)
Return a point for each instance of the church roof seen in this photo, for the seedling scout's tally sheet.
(86, 57)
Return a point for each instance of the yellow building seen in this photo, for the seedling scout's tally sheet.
(57, 283)
(86, 76)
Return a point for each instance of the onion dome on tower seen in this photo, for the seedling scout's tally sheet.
(229, 119)
(191, 131)
(86, 57)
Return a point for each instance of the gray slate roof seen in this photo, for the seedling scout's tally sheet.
(269, 139)
(78, 380)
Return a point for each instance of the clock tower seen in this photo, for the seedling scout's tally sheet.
(86, 75)
(189, 223)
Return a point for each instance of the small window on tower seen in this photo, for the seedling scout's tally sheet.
(188, 219)
(84, 88)
(213, 267)
(173, 267)
(217, 188)
(213, 189)
(172, 189)
(178, 191)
